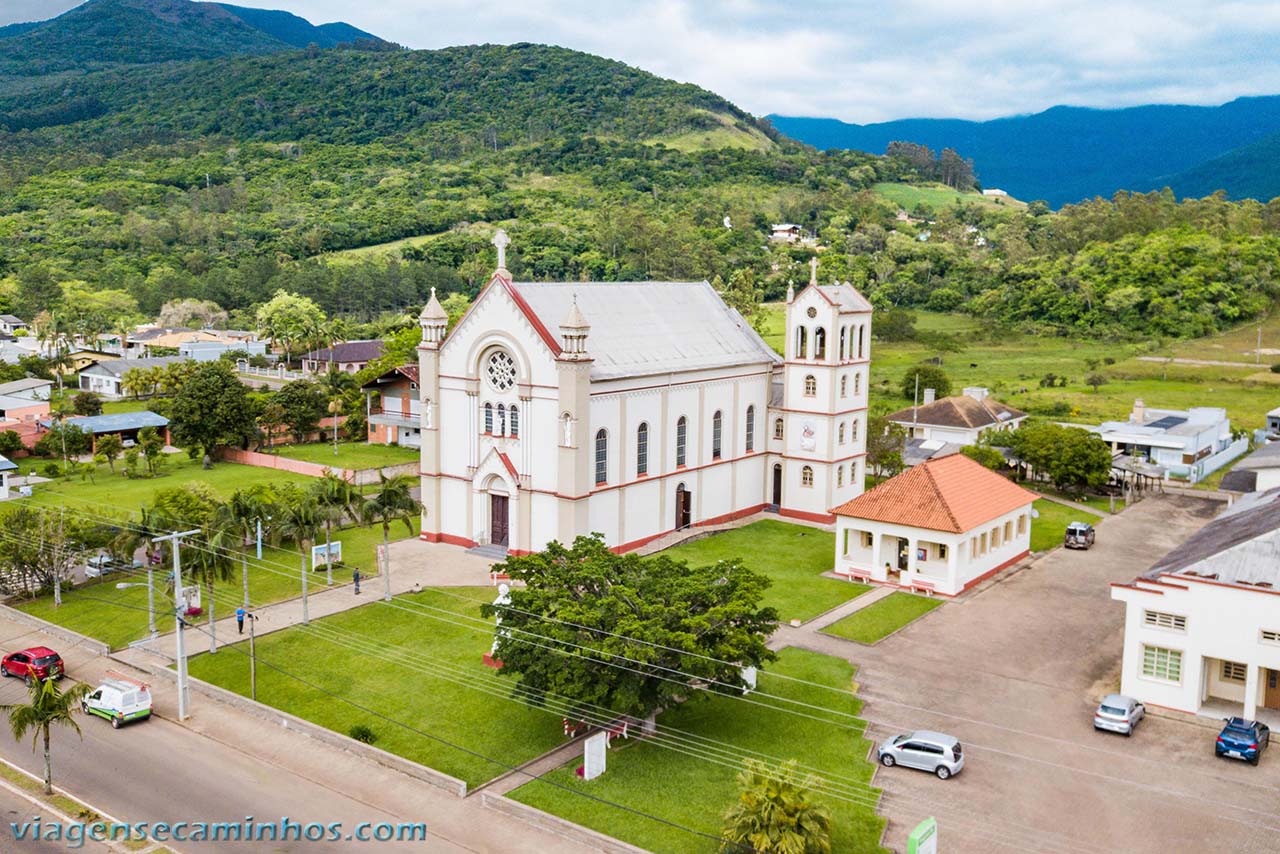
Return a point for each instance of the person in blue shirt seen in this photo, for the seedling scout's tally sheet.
(240, 612)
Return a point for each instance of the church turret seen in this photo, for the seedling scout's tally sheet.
(434, 322)
(573, 333)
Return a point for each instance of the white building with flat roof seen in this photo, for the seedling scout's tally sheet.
(1187, 443)
(1202, 626)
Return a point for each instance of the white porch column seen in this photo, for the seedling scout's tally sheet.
(1252, 672)
(876, 571)
(911, 554)
(953, 563)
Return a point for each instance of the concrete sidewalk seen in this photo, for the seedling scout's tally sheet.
(414, 565)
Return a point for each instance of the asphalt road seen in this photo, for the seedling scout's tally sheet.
(15, 810)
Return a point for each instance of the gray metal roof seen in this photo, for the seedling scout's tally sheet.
(644, 328)
(1240, 546)
(118, 367)
(846, 296)
(118, 421)
(24, 385)
(1264, 457)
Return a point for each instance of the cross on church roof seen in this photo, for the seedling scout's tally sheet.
(501, 241)
(813, 270)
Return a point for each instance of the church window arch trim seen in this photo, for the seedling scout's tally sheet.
(642, 449)
(717, 435)
(682, 441)
(602, 456)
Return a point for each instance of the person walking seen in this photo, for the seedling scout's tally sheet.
(240, 612)
(355, 576)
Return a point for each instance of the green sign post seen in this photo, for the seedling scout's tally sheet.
(924, 839)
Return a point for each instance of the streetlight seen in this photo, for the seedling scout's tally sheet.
(151, 598)
(179, 601)
(253, 660)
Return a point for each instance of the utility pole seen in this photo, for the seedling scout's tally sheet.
(259, 538)
(244, 576)
(253, 661)
(151, 600)
(1258, 352)
(306, 620)
(184, 691)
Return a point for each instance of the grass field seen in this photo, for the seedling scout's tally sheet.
(1048, 529)
(881, 619)
(114, 493)
(694, 792)
(351, 455)
(793, 556)
(115, 407)
(416, 667)
(938, 196)
(117, 617)
(1011, 364)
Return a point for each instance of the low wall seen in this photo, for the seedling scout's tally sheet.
(323, 734)
(582, 835)
(273, 461)
(365, 477)
(97, 647)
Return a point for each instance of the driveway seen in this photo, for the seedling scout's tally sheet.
(1014, 670)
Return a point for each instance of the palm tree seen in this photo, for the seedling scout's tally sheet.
(775, 813)
(243, 513)
(48, 707)
(213, 560)
(394, 501)
(337, 499)
(300, 521)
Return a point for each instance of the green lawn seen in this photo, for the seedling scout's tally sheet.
(793, 556)
(454, 709)
(351, 455)
(1100, 504)
(939, 196)
(1049, 528)
(115, 407)
(114, 492)
(117, 617)
(881, 619)
(695, 792)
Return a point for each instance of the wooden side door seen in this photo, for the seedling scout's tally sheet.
(1271, 699)
(498, 520)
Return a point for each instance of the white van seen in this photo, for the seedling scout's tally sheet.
(119, 699)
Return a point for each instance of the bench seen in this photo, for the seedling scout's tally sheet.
(925, 587)
(854, 574)
(495, 577)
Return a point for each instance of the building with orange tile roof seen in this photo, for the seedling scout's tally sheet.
(941, 527)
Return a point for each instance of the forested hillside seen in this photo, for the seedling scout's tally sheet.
(227, 179)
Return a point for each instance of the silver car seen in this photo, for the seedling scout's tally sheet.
(935, 752)
(1118, 713)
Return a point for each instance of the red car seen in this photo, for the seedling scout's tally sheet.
(38, 661)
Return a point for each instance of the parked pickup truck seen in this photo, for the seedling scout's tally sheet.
(1079, 535)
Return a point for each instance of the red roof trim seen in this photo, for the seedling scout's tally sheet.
(506, 461)
(829, 300)
(533, 319)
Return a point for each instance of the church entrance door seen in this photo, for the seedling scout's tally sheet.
(777, 486)
(684, 508)
(499, 525)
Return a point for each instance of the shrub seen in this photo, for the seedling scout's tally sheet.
(51, 470)
(1275, 369)
(362, 734)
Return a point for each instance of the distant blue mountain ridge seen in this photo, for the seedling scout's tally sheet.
(1067, 154)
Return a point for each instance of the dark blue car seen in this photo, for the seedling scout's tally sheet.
(1241, 739)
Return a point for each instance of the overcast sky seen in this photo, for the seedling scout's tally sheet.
(862, 61)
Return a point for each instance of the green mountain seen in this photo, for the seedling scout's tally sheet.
(1251, 171)
(106, 33)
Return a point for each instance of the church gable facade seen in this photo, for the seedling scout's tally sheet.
(554, 410)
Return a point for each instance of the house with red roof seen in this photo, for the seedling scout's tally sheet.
(940, 527)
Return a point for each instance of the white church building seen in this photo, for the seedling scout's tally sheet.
(634, 409)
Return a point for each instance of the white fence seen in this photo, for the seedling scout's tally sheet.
(279, 372)
(1203, 468)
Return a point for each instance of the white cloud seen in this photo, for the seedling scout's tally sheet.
(864, 61)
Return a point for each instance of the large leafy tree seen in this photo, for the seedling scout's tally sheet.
(884, 445)
(304, 404)
(289, 320)
(929, 376)
(637, 634)
(776, 813)
(46, 708)
(1071, 457)
(213, 408)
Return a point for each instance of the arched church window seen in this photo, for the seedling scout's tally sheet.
(819, 343)
(777, 428)
(802, 340)
(717, 434)
(751, 429)
(840, 434)
(862, 330)
(810, 386)
(806, 476)
(513, 416)
(502, 420)
(844, 340)
(682, 437)
(602, 456)
(857, 383)
(844, 386)
(488, 418)
(839, 477)
(853, 429)
(642, 449)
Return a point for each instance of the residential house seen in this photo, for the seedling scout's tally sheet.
(106, 377)
(77, 360)
(13, 352)
(124, 424)
(960, 419)
(993, 191)
(1273, 423)
(395, 418)
(1202, 625)
(10, 325)
(31, 388)
(22, 412)
(1258, 472)
(349, 357)
(7, 468)
(632, 409)
(1186, 443)
(942, 526)
(212, 351)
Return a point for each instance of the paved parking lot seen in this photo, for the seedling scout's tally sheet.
(1014, 670)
